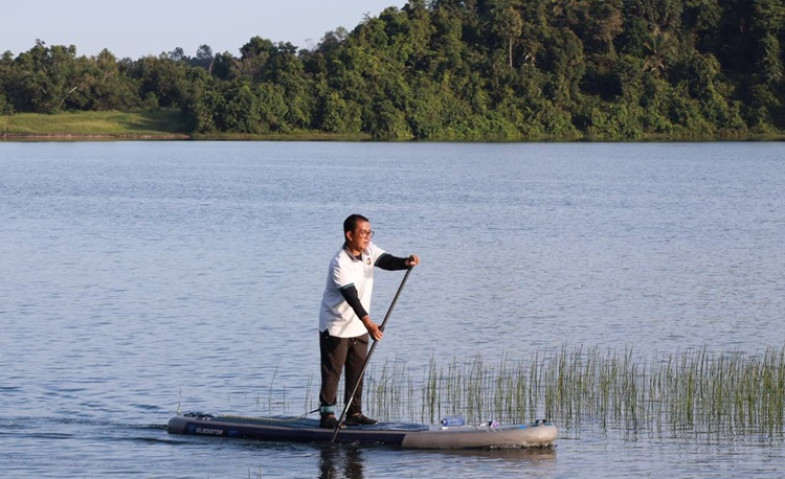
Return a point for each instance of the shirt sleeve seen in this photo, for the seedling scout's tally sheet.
(341, 277)
(391, 263)
(349, 293)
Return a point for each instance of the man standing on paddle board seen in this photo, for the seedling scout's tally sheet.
(344, 323)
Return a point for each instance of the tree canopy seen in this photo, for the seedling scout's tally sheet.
(456, 70)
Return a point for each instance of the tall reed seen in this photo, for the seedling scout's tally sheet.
(691, 391)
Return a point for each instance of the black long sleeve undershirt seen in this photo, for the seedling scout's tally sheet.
(351, 296)
(391, 263)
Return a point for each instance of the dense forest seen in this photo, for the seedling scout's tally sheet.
(456, 70)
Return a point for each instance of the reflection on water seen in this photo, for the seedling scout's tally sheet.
(349, 460)
(337, 460)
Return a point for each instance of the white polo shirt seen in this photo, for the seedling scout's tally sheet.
(335, 314)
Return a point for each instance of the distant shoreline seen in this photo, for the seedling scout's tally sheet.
(172, 125)
(156, 125)
(87, 137)
(75, 137)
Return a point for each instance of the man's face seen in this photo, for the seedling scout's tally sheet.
(360, 238)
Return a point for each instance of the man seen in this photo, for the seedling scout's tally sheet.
(344, 321)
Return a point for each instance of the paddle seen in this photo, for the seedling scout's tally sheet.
(370, 353)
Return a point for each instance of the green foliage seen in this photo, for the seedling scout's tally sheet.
(273, 107)
(456, 70)
(242, 113)
(5, 107)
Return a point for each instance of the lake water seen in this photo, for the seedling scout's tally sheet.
(142, 276)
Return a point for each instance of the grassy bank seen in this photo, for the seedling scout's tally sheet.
(142, 125)
(161, 124)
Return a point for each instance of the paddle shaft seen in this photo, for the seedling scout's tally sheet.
(370, 353)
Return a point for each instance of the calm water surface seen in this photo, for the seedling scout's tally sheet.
(140, 276)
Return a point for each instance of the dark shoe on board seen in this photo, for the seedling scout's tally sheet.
(328, 421)
(359, 420)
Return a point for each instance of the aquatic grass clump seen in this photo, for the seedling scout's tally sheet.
(692, 391)
(725, 392)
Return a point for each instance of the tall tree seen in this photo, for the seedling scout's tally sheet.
(508, 25)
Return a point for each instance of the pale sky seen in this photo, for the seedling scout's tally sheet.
(146, 27)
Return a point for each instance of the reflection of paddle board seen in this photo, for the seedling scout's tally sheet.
(407, 435)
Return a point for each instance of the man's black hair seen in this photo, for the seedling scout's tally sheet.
(350, 223)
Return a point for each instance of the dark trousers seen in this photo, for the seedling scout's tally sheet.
(335, 354)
